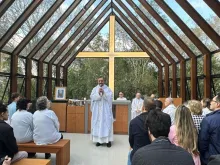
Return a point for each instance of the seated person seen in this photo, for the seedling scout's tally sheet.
(161, 151)
(22, 123)
(46, 124)
(8, 145)
(138, 131)
(121, 96)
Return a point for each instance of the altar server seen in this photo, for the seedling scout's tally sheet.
(136, 106)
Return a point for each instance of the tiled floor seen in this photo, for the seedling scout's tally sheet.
(84, 152)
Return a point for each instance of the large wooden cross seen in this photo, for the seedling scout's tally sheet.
(111, 54)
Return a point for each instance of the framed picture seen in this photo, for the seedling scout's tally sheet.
(60, 93)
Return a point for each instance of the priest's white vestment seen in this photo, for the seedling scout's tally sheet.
(102, 117)
(136, 105)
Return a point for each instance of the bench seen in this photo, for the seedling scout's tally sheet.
(61, 149)
(32, 162)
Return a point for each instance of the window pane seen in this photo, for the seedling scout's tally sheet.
(188, 68)
(45, 68)
(216, 63)
(5, 87)
(216, 84)
(53, 71)
(200, 88)
(5, 62)
(21, 86)
(33, 88)
(21, 66)
(34, 69)
(200, 66)
(178, 70)
(188, 89)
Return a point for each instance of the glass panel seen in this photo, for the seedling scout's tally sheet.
(53, 87)
(21, 86)
(21, 66)
(207, 13)
(188, 68)
(34, 68)
(216, 63)
(61, 72)
(163, 73)
(200, 88)
(5, 86)
(170, 88)
(46, 27)
(33, 89)
(200, 67)
(178, 70)
(188, 89)
(5, 63)
(45, 87)
(192, 25)
(100, 43)
(53, 71)
(12, 14)
(170, 71)
(178, 88)
(29, 24)
(216, 84)
(45, 68)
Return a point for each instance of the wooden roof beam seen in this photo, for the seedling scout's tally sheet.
(214, 5)
(4, 6)
(147, 33)
(213, 35)
(17, 24)
(186, 30)
(167, 28)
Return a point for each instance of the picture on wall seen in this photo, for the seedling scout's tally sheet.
(60, 93)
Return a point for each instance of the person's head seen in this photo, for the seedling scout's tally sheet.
(158, 104)
(148, 104)
(22, 104)
(187, 134)
(120, 94)
(206, 103)
(152, 96)
(42, 103)
(215, 103)
(100, 81)
(195, 107)
(168, 101)
(158, 124)
(15, 97)
(32, 106)
(3, 111)
(138, 95)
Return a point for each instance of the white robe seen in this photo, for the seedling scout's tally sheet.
(102, 118)
(137, 104)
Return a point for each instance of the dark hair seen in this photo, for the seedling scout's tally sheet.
(149, 104)
(14, 96)
(158, 104)
(159, 123)
(22, 104)
(3, 108)
(206, 103)
(32, 108)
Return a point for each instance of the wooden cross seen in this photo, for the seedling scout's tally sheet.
(112, 54)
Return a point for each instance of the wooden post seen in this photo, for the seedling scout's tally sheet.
(193, 78)
(65, 73)
(28, 78)
(183, 80)
(40, 79)
(49, 80)
(174, 82)
(14, 69)
(207, 74)
(166, 80)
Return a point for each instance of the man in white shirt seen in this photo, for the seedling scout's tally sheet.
(170, 108)
(136, 106)
(121, 96)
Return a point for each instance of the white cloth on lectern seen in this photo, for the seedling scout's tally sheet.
(137, 104)
(102, 117)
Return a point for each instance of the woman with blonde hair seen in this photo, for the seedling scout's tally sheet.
(183, 133)
(195, 108)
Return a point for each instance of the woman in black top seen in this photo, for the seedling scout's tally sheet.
(8, 145)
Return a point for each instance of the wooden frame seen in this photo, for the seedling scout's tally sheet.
(60, 93)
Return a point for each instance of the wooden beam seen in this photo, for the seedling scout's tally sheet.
(53, 29)
(174, 81)
(147, 33)
(116, 54)
(40, 79)
(17, 24)
(183, 80)
(193, 78)
(214, 5)
(137, 41)
(154, 28)
(207, 74)
(49, 81)
(167, 81)
(13, 74)
(167, 28)
(140, 35)
(213, 35)
(37, 27)
(186, 30)
(65, 74)
(66, 30)
(86, 42)
(112, 34)
(86, 33)
(4, 6)
(28, 78)
(160, 82)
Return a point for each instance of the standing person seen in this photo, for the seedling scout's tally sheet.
(8, 145)
(160, 151)
(206, 106)
(136, 106)
(13, 107)
(102, 118)
(170, 108)
(209, 136)
(121, 96)
(184, 134)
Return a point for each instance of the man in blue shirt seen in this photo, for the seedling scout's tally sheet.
(12, 107)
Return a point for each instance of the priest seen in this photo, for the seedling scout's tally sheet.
(102, 118)
(137, 105)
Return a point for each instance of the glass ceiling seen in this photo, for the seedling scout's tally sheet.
(42, 45)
